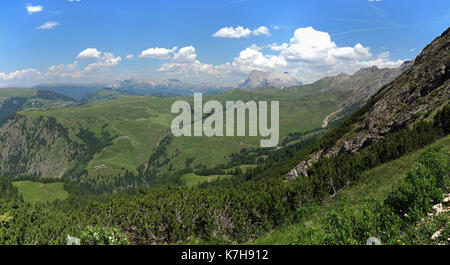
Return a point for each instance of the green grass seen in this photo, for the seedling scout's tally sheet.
(193, 179)
(103, 94)
(16, 92)
(375, 184)
(141, 122)
(40, 192)
(244, 168)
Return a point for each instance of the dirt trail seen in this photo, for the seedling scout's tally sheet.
(325, 121)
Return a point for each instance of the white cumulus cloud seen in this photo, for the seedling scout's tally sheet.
(105, 62)
(33, 9)
(276, 47)
(89, 53)
(263, 30)
(185, 63)
(230, 32)
(158, 53)
(185, 55)
(20, 74)
(241, 32)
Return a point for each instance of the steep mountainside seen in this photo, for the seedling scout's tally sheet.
(413, 96)
(362, 84)
(38, 147)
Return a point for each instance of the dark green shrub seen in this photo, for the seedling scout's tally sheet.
(424, 186)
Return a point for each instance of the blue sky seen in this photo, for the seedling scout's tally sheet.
(46, 41)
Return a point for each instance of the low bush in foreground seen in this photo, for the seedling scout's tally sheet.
(400, 217)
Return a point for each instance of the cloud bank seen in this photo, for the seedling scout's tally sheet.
(308, 55)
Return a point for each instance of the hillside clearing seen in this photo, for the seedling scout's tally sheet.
(40, 192)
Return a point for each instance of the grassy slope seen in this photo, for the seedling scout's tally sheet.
(242, 167)
(299, 111)
(141, 122)
(138, 122)
(193, 179)
(15, 92)
(103, 94)
(35, 100)
(376, 183)
(39, 192)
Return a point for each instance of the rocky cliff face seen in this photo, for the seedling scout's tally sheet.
(361, 86)
(421, 89)
(257, 79)
(38, 147)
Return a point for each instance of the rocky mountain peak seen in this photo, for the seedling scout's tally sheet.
(371, 69)
(257, 79)
(406, 65)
